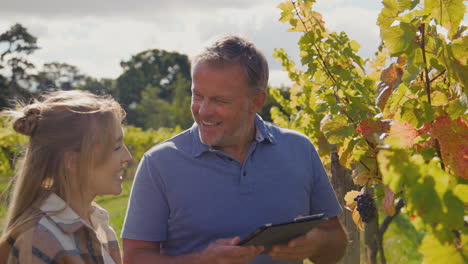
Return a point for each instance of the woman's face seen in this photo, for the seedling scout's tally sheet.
(107, 176)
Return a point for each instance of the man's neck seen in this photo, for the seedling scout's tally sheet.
(240, 151)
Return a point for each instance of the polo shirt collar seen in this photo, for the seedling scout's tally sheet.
(66, 219)
(263, 133)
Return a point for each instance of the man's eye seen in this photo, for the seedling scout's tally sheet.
(221, 101)
(117, 148)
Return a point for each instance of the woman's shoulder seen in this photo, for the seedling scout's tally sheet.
(30, 240)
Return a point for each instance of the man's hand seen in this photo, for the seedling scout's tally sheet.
(299, 248)
(324, 244)
(226, 251)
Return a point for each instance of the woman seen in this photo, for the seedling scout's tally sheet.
(75, 153)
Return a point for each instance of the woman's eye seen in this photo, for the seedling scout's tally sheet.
(117, 148)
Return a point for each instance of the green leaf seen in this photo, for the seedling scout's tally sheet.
(439, 98)
(398, 170)
(435, 63)
(337, 130)
(434, 251)
(425, 201)
(453, 217)
(461, 191)
(409, 112)
(398, 38)
(459, 50)
(355, 45)
(286, 11)
(448, 13)
(346, 151)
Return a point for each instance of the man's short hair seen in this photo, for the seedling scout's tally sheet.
(231, 49)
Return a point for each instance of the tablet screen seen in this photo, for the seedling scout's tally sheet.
(274, 234)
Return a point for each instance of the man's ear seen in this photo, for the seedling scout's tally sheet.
(71, 161)
(259, 101)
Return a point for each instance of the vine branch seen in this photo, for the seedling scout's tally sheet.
(422, 29)
(317, 49)
(438, 75)
(426, 70)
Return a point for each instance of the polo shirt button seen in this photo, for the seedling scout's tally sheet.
(245, 173)
(230, 159)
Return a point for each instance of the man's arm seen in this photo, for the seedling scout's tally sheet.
(322, 245)
(220, 251)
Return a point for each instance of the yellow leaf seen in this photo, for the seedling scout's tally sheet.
(357, 219)
(349, 199)
(362, 178)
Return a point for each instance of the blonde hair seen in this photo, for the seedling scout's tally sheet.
(62, 122)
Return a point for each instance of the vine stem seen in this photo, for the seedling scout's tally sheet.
(317, 49)
(426, 70)
(428, 81)
(438, 75)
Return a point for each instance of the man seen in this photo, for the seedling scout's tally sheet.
(196, 195)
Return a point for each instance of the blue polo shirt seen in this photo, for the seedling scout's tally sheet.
(186, 194)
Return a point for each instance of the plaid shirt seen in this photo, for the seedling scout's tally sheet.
(63, 238)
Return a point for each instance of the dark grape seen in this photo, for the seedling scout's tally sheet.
(365, 207)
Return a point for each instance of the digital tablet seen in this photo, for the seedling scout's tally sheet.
(274, 234)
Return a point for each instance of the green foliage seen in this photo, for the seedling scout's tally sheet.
(11, 146)
(155, 75)
(139, 141)
(404, 126)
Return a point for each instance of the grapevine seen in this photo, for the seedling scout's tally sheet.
(402, 128)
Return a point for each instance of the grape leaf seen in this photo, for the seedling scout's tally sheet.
(357, 219)
(398, 168)
(425, 201)
(388, 205)
(439, 98)
(453, 140)
(461, 191)
(402, 134)
(372, 129)
(349, 199)
(434, 251)
(449, 13)
(398, 38)
(337, 130)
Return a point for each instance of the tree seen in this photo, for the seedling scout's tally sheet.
(16, 75)
(157, 68)
(98, 86)
(154, 111)
(59, 76)
(401, 129)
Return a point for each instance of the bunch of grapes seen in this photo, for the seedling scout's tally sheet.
(365, 207)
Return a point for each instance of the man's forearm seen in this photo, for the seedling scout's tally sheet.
(335, 241)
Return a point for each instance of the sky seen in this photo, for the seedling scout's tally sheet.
(96, 35)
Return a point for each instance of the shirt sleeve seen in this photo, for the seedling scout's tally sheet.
(322, 196)
(148, 211)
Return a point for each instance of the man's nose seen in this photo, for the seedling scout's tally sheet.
(205, 108)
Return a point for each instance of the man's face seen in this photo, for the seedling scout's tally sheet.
(222, 105)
